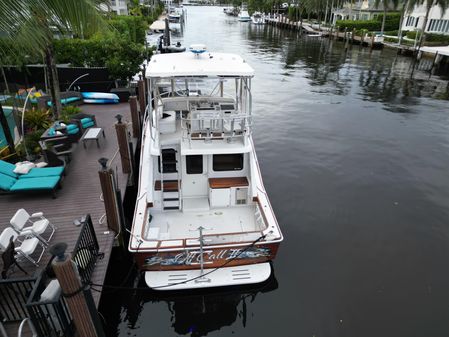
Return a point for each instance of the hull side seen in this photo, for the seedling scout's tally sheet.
(184, 259)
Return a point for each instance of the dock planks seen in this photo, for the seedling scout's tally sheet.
(79, 195)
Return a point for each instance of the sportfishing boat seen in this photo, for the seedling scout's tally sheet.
(257, 18)
(243, 15)
(176, 19)
(202, 216)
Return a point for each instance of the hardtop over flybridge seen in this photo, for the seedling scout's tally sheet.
(202, 215)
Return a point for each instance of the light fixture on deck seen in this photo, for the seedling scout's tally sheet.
(119, 118)
(104, 163)
(58, 250)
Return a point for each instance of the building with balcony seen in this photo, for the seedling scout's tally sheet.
(119, 6)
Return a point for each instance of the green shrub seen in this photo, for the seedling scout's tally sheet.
(440, 38)
(411, 34)
(68, 112)
(431, 39)
(390, 17)
(31, 144)
(121, 56)
(369, 25)
(391, 23)
(37, 119)
(132, 27)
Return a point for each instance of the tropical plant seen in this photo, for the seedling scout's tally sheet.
(37, 119)
(115, 51)
(30, 145)
(68, 111)
(32, 25)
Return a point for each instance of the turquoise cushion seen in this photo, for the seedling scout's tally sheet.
(87, 125)
(72, 99)
(7, 168)
(86, 120)
(73, 131)
(51, 132)
(43, 172)
(6, 182)
(71, 127)
(41, 183)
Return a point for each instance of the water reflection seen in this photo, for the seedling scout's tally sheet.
(199, 314)
(383, 76)
(194, 313)
(353, 151)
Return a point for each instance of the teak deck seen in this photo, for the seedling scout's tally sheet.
(169, 186)
(228, 182)
(80, 194)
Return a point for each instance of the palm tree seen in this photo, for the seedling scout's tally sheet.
(404, 10)
(443, 4)
(32, 25)
(385, 5)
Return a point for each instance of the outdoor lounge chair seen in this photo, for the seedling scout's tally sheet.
(38, 225)
(9, 184)
(26, 248)
(8, 169)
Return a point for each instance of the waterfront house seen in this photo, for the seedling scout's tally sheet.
(438, 22)
(359, 10)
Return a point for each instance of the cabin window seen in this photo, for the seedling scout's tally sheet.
(194, 164)
(228, 162)
(168, 161)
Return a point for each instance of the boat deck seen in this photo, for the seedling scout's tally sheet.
(200, 142)
(173, 225)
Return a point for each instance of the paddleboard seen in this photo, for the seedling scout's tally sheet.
(99, 95)
(100, 101)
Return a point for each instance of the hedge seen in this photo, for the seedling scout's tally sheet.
(391, 23)
(438, 38)
(121, 56)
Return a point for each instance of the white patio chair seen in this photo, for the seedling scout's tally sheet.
(26, 248)
(38, 222)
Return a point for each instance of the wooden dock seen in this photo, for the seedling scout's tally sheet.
(80, 195)
(316, 30)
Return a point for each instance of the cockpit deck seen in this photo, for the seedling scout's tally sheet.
(185, 224)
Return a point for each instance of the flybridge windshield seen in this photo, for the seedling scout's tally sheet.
(233, 93)
(236, 87)
(224, 87)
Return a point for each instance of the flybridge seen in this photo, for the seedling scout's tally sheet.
(198, 63)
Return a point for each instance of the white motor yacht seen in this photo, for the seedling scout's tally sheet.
(202, 216)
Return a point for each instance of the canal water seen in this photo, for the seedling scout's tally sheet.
(354, 154)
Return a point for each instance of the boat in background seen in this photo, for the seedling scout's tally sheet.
(202, 216)
(244, 15)
(100, 98)
(231, 11)
(257, 18)
(176, 19)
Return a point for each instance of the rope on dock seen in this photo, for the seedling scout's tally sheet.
(178, 283)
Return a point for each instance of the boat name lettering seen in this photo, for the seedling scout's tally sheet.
(194, 257)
